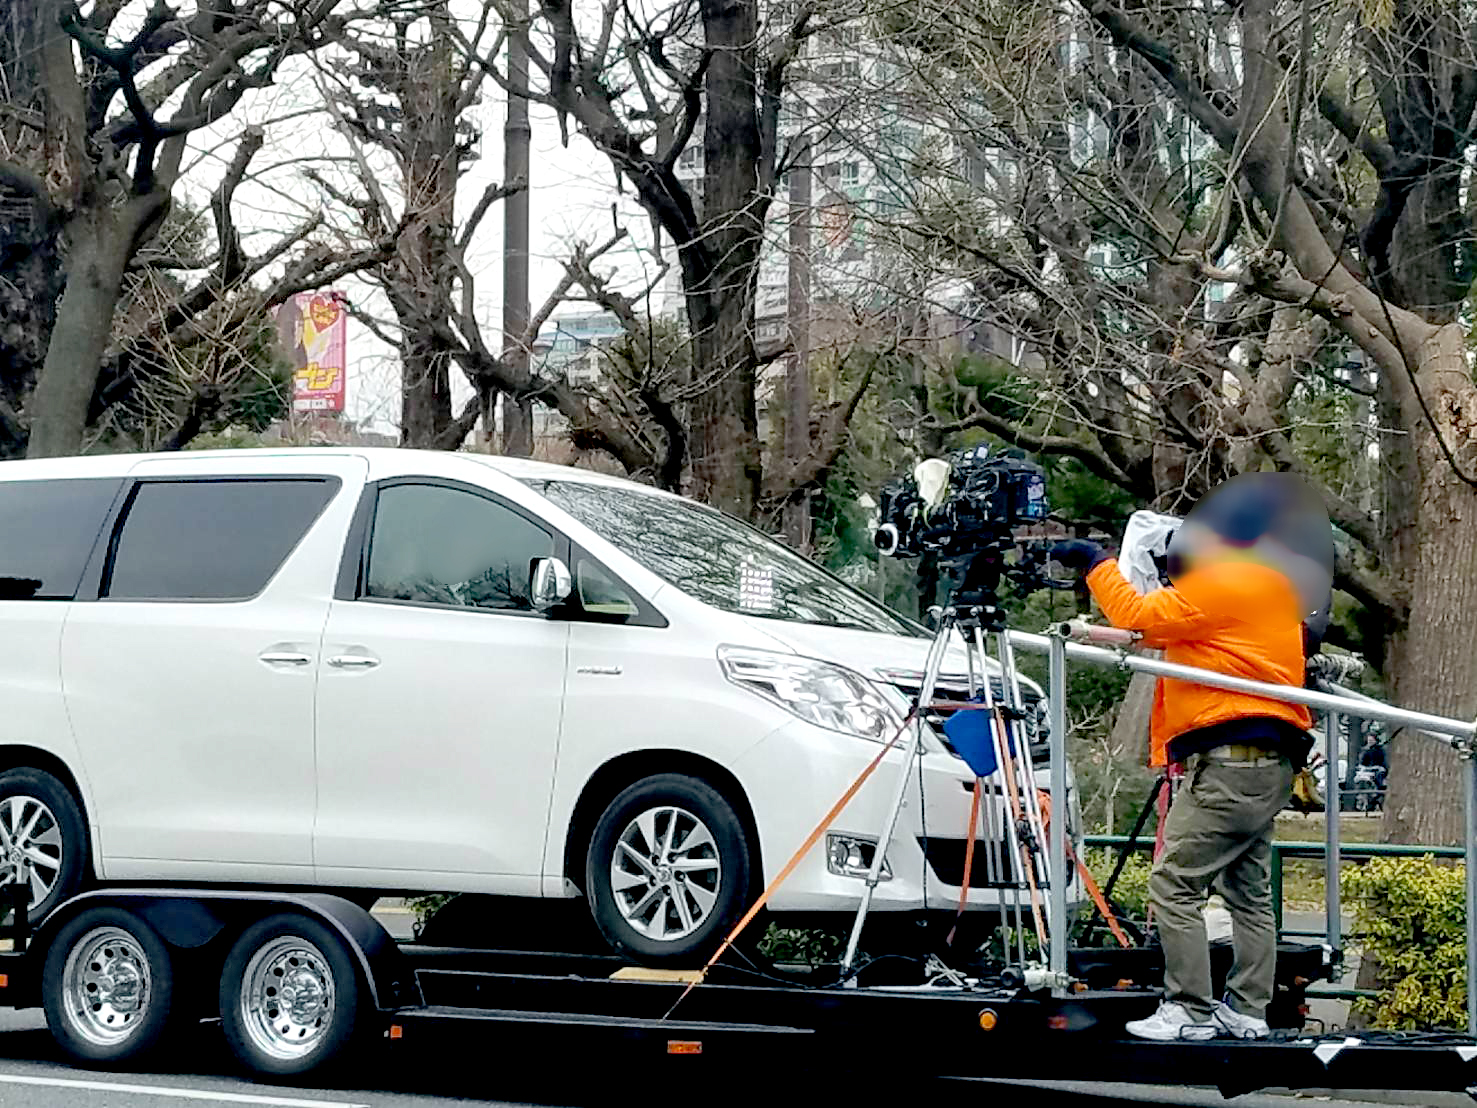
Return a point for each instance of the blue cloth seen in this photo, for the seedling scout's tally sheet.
(969, 732)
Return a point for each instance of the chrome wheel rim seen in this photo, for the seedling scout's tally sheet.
(287, 999)
(666, 874)
(30, 846)
(106, 986)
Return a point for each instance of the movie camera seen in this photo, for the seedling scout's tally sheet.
(966, 509)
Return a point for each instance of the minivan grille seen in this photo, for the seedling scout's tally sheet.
(946, 860)
(956, 688)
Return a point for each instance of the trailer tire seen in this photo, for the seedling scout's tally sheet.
(107, 987)
(289, 960)
(710, 881)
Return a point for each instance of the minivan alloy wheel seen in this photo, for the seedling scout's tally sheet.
(30, 845)
(666, 873)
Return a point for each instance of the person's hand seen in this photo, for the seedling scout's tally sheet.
(1077, 554)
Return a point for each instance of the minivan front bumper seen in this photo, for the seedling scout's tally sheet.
(794, 777)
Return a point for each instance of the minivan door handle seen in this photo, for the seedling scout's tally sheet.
(284, 658)
(353, 661)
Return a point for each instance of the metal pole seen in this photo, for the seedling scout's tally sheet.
(1471, 863)
(517, 411)
(1332, 801)
(1289, 694)
(1057, 905)
(798, 445)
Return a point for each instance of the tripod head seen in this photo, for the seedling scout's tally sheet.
(974, 595)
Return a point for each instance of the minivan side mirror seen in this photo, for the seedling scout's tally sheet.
(551, 583)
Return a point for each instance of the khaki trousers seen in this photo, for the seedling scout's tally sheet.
(1219, 832)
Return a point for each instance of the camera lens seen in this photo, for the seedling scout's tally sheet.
(886, 538)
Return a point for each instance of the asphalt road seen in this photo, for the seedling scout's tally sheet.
(199, 1073)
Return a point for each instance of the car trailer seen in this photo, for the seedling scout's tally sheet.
(299, 980)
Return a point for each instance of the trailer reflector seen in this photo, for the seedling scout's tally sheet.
(396, 1031)
(682, 1046)
(4, 980)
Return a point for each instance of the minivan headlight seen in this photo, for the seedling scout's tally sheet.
(826, 695)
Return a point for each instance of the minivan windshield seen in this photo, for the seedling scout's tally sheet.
(718, 560)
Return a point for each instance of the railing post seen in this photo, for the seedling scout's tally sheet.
(1277, 887)
(1332, 805)
(1471, 864)
(1060, 809)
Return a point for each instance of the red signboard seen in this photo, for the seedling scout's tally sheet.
(314, 331)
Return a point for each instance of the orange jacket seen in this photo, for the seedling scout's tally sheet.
(1237, 618)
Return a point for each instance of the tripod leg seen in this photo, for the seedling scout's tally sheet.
(1019, 852)
(1025, 775)
(910, 753)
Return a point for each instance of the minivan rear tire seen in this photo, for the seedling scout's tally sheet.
(37, 804)
(668, 871)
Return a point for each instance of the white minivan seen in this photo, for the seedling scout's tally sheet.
(401, 671)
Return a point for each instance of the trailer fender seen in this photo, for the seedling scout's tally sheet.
(189, 919)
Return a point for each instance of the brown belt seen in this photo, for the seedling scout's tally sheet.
(1242, 754)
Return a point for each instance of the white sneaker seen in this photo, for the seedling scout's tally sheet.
(1237, 1026)
(1172, 1022)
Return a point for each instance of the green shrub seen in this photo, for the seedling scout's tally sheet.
(427, 906)
(794, 946)
(1131, 893)
(1410, 915)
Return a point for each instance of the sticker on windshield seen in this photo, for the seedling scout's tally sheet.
(756, 587)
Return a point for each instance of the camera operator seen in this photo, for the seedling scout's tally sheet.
(1235, 605)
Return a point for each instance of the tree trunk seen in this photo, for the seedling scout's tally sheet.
(1432, 664)
(517, 427)
(720, 271)
(425, 391)
(101, 241)
(31, 275)
(1131, 725)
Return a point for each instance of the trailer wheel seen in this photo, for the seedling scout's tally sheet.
(107, 987)
(668, 870)
(289, 996)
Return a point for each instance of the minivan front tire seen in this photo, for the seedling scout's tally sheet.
(668, 870)
(43, 838)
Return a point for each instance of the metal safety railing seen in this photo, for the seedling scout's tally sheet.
(1334, 702)
(1282, 850)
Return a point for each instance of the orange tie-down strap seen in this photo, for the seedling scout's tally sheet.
(1088, 880)
(789, 867)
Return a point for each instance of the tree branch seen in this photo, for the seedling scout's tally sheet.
(15, 176)
(1090, 452)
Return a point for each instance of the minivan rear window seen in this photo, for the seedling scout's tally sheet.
(47, 531)
(211, 540)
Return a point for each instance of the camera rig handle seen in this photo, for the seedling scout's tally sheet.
(1079, 630)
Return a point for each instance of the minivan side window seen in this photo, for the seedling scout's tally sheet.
(210, 539)
(47, 531)
(442, 546)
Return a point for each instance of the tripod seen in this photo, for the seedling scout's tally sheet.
(973, 610)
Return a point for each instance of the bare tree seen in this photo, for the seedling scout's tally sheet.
(641, 86)
(99, 107)
(1232, 237)
(409, 92)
